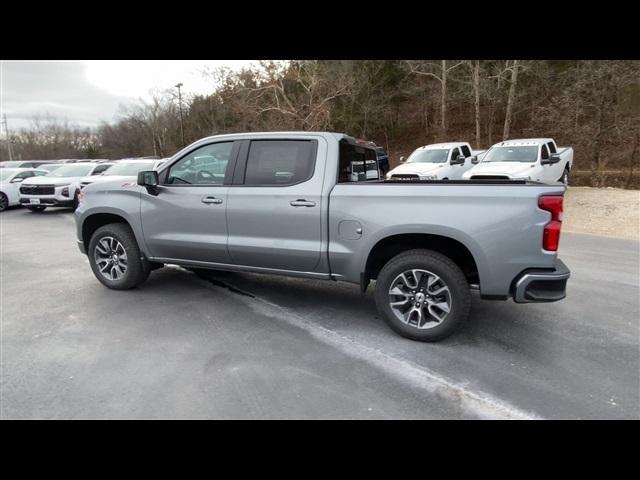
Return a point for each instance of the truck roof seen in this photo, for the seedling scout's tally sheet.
(522, 142)
(446, 146)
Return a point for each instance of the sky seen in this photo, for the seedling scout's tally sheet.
(90, 91)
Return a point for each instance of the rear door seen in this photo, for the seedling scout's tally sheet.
(187, 219)
(274, 205)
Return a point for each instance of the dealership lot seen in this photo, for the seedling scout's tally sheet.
(254, 346)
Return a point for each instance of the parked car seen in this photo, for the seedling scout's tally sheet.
(23, 163)
(10, 181)
(285, 207)
(58, 188)
(536, 159)
(122, 171)
(439, 161)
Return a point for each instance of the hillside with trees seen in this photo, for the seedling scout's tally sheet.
(593, 106)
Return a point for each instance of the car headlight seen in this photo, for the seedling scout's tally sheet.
(65, 191)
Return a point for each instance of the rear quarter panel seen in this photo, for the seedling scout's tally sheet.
(501, 225)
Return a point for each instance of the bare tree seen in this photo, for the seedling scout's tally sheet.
(510, 100)
(419, 68)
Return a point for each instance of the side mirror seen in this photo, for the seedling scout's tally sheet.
(553, 159)
(149, 180)
(474, 160)
(458, 160)
(17, 180)
(402, 159)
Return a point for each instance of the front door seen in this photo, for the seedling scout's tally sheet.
(274, 207)
(186, 219)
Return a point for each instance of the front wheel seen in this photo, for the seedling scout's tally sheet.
(422, 295)
(115, 257)
(4, 202)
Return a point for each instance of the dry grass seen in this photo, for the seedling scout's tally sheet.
(611, 212)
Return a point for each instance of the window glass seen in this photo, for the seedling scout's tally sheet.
(465, 151)
(204, 166)
(544, 154)
(454, 153)
(357, 163)
(511, 154)
(279, 162)
(552, 147)
(100, 168)
(428, 156)
(24, 175)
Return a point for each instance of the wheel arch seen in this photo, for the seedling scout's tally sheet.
(388, 247)
(93, 222)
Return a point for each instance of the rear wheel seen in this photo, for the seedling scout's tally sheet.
(4, 202)
(565, 177)
(115, 257)
(422, 295)
(37, 208)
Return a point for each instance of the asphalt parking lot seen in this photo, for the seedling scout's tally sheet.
(254, 346)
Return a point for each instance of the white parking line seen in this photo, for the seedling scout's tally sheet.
(474, 402)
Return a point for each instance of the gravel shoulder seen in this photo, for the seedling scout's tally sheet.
(610, 212)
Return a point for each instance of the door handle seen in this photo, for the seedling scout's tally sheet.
(301, 202)
(210, 200)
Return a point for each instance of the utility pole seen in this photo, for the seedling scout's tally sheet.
(180, 106)
(6, 129)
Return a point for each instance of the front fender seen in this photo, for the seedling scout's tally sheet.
(124, 203)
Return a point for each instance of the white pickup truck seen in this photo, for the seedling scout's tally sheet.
(439, 161)
(535, 159)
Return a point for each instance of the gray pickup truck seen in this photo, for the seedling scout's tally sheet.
(285, 203)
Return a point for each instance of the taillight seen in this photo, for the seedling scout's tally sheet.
(551, 235)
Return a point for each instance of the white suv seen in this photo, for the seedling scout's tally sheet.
(59, 188)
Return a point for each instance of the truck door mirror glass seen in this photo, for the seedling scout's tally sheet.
(458, 160)
(149, 180)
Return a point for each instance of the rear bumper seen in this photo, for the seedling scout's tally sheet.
(541, 285)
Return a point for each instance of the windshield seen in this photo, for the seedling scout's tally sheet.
(130, 169)
(11, 163)
(428, 156)
(511, 154)
(7, 173)
(73, 170)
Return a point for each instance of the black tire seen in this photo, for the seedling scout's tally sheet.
(565, 177)
(136, 271)
(451, 276)
(37, 209)
(76, 200)
(4, 202)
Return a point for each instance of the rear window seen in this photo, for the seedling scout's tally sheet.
(280, 162)
(357, 163)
